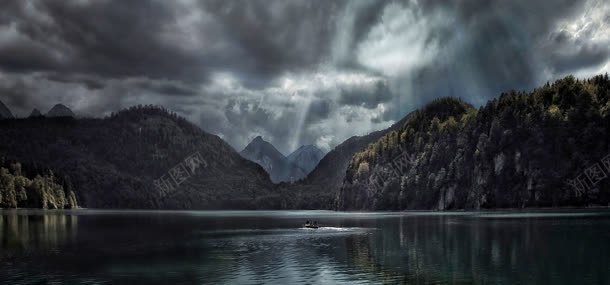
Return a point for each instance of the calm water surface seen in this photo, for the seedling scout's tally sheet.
(234, 247)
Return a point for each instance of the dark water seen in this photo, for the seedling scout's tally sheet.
(150, 247)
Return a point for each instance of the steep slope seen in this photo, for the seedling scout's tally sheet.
(306, 157)
(60, 110)
(35, 113)
(547, 148)
(143, 157)
(5, 112)
(320, 188)
(273, 161)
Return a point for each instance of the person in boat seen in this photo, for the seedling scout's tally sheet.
(307, 223)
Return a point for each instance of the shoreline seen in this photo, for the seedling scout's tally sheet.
(528, 209)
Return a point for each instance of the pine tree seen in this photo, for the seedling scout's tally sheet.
(7, 189)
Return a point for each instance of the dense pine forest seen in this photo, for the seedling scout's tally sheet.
(546, 148)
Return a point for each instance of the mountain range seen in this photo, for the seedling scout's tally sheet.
(58, 110)
(544, 148)
(320, 188)
(306, 157)
(142, 157)
(281, 168)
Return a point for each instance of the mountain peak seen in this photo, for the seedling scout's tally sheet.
(272, 160)
(5, 112)
(258, 142)
(258, 145)
(60, 110)
(306, 157)
(35, 113)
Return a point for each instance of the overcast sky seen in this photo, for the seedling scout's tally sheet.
(294, 72)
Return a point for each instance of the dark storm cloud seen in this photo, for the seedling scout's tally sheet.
(487, 47)
(276, 36)
(296, 72)
(259, 39)
(90, 82)
(27, 56)
(580, 46)
(258, 120)
(166, 87)
(577, 57)
(318, 111)
(500, 43)
(367, 96)
(16, 95)
(105, 38)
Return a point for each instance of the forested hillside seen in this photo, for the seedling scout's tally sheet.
(34, 187)
(320, 188)
(546, 148)
(143, 157)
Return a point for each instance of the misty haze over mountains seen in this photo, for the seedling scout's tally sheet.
(306, 157)
(304, 142)
(87, 88)
(457, 157)
(294, 72)
(282, 168)
(274, 162)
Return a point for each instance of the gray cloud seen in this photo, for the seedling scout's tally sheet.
(296, 72)
(16, 94)
(90, 82)
(368, 96)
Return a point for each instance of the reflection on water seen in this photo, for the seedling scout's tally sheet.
(270, 247)
(39, 231)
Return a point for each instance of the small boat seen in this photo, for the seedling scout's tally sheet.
(311, 224)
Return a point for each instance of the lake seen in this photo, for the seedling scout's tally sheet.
(254, 247)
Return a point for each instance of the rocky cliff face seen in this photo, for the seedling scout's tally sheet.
(143, 157)
(280, 169)
(306, 157)
(546, 148)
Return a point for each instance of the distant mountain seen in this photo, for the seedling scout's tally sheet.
(306, 157)
(546, 148)
(143, 157)
(60, 110)
(320, 188)
(35, 113)
(5, 112)
(280, 169)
